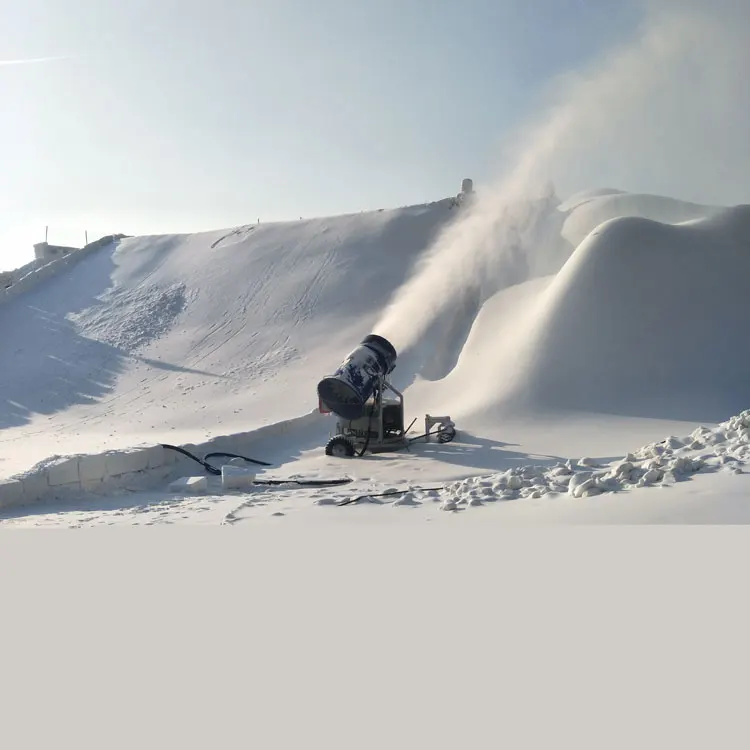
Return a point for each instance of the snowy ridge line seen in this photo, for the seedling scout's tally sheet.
(49, 270)
(137, 468)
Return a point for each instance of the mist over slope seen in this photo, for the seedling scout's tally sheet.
(643, 320)
(181, 338)
(662, 114)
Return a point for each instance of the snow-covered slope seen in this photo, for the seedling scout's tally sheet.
(628, 337)
(180, 338)
(643, 321)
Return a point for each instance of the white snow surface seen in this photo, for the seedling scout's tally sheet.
(586, 211)
(632, 339)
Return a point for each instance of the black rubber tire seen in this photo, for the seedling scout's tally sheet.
(446, 434)
(340, 447)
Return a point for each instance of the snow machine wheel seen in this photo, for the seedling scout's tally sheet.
(340, 447)
(446, 434)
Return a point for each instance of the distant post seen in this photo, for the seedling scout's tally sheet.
(46, 233)
(86, 233)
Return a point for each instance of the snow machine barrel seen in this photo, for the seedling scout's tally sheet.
(347, 390)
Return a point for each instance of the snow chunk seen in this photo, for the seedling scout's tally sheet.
(195, 485)
(134, 317)
(407, 498)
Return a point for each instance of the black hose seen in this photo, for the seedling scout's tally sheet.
(306, 482)
(234, 455)
(217, 472)
(204, 462)
(388, 494)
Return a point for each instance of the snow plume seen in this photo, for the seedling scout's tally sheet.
(665, 112)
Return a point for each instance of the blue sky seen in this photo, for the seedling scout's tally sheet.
(179, 115)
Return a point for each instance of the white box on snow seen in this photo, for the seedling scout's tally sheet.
(236, 477)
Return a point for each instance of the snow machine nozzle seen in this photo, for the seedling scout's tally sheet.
(346, 392)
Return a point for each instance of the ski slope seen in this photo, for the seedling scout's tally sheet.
(610, 325)
(182, 338)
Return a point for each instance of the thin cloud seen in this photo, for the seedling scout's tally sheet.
(32, 60)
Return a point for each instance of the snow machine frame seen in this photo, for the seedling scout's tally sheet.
(381, 428)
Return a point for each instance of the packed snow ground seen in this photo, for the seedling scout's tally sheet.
(550, 492)
(608, 325)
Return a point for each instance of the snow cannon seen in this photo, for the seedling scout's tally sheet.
(370, 410)
(345, 393)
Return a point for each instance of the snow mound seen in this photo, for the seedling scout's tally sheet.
(584, 196)
(643, 320)
(587, 211)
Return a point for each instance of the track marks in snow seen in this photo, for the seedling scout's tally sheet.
(236, 235)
